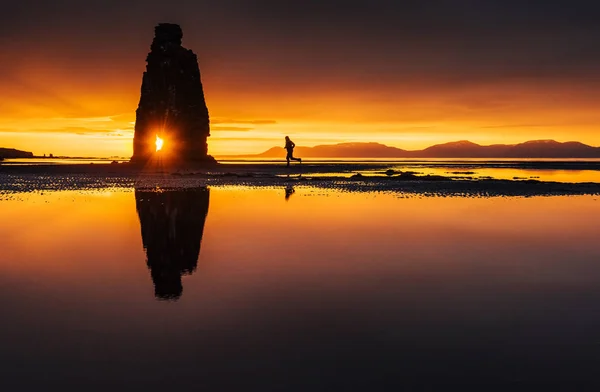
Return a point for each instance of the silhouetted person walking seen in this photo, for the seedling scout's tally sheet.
(289, 146)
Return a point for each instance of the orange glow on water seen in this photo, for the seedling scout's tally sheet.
(106, 226)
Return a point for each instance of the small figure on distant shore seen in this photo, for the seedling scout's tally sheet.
(289, 146)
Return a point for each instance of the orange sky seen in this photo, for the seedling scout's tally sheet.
(88, 118)
(328, 81)
(84, 124)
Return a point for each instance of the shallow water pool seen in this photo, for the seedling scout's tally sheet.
(237, 288)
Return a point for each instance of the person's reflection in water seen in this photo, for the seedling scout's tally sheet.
(289, 191)
(172, 225)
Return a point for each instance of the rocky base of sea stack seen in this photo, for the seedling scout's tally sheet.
(162, 163)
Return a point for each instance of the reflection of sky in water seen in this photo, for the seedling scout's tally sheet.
(327, 289)
(477, 170)
(521, 174)
(575, 176)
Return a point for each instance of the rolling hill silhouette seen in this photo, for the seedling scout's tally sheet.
(460, 149)
(13, 153)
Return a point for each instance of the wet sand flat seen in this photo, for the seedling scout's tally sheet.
(354, 176)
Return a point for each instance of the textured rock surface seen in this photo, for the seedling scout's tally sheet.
(172, 104)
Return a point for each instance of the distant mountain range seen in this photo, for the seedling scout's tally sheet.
(12, 153)
(460, 149)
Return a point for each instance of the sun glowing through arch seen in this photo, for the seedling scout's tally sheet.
(159, 143)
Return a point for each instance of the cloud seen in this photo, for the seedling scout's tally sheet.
(72, 130)
(253, 139)
(234, 121)
(235, 129)
(518, 126)
(86, 130)
(125, 117)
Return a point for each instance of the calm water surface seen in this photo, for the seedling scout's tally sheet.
(272, 289)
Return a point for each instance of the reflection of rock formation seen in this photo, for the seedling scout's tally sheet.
(172, 225)
(172, 104)
(289, 191)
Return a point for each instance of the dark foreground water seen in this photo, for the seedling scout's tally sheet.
(237, 288)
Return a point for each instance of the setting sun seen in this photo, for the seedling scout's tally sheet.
(159, 143)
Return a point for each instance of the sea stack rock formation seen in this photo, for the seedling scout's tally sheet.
(172, 120)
